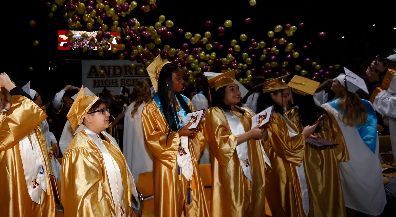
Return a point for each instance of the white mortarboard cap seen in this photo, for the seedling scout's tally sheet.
(87, 92)
(30, 92)
(392, 57)
(354, 82)
(242, 88)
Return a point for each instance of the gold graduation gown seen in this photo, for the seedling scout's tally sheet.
(233, 194)
(170, 188)
(321, 169)
(85, 189)
(21, 120)
(283, 186)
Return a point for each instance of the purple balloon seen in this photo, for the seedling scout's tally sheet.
(208, 24)
(287, 26)
(230, 50)
(180, 31)
(273, 58)
(125, 6)
(220, 31)
(184, 46)
(322, 35)
(301, 25)
(248, 20)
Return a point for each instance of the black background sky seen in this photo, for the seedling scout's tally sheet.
(354, 20)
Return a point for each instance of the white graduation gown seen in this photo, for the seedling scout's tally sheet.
(361, 176)
(385, 104)
(138, 158)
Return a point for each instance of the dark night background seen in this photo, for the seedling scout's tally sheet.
(49, 70)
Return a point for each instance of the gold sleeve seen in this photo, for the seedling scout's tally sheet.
(218, 135)
(83, 191)
(332, 132)
(22, 118)
(291, 148)
(160, 140)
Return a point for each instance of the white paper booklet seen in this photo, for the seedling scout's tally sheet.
(262, 118)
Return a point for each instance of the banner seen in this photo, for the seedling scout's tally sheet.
(112, 74)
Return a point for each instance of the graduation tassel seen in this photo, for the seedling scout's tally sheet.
(188, 193)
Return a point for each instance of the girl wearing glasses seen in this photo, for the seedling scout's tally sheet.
(95, 177)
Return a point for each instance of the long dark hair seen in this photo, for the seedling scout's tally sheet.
(218, 99)
(141, 94)
(265, 100)
(168, 97)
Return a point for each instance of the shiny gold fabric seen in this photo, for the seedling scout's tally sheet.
(170, 188)
(285, 152)
(321, 169)
(274, 84)
(21, 120)
(85, 189)
(226, 78)
(233, 194)
(154, 70)
(79, 108)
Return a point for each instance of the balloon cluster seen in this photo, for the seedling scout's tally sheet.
(276, 54)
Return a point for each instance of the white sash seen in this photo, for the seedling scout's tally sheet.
(113, 173)
(33, 167)
(242, 149)
(300, 174)
(184, 158)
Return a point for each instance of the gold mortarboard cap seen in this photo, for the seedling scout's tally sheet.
(81, 105)
(275, 84)
(303, 85)
(154, 70)
(224, 79)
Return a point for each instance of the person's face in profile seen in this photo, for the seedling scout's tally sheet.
(178, 81)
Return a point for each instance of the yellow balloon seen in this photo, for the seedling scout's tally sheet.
(161, 18)
(293, 28)
(197, 36)
(243, 37)
(317, 67)
(54, 7)
(89, 26)
(208, 34)
(204, 40)
(274, 64)
(158, 25)
(213, 55)
(281, 41)
(209, 47)
(233, 42)
(228, 23)
(297, 68)
(237, 48)
(169, 23)
(248, 60)
(252, 3)
(36, 43)
(59, 2)
(133, 5)
(262, 44)
(278, 28)
(245, 55)
(188, 35)
(81, 8)
(172, 52)
(296, 54)
(270, 34)
(262, 57)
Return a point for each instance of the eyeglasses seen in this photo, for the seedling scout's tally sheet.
(103, 111)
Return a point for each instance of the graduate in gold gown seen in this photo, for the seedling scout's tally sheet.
(286, 187)
(238, 164)
(320, 164)
(178, 189)
(25, 188)
(95, 179)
